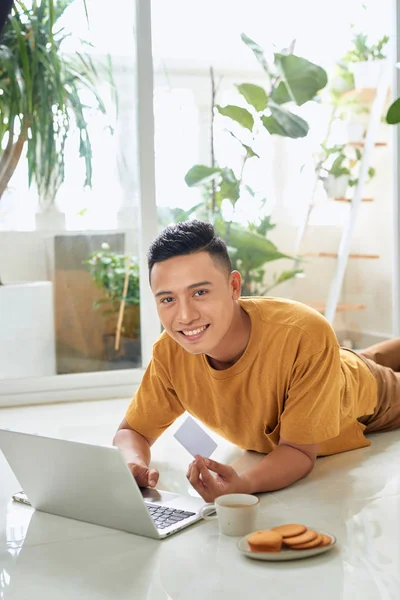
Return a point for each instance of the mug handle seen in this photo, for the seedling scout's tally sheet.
(207, 512)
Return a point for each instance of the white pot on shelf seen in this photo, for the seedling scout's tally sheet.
(27, 340)
(367, 73)
(336, 187)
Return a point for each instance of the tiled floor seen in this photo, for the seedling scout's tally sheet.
(355, 496)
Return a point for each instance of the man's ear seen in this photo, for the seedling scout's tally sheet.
(236, 284)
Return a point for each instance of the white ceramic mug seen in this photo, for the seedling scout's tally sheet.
(236, 513)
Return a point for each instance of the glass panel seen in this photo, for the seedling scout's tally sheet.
(69, 302)
(276, 189)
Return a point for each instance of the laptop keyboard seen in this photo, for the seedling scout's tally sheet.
(165, 517)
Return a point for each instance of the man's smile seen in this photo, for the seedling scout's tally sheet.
(192, 333)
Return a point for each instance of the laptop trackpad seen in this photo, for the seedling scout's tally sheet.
(158, 496)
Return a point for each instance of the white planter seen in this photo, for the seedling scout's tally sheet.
(51, 219)
(367, 73)
(27, 342)
(336, 187)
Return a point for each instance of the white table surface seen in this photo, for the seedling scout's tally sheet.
(355, 496)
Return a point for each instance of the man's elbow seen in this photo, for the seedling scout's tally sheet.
(310, 467)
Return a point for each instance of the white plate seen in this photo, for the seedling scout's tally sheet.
(285, 553)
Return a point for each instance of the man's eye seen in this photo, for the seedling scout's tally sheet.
(200, 293)
(167, 300)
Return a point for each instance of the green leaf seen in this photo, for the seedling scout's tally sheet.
(264, 226)
(201, 174)
(257, 51)
(302, 78)
(289, 274)
(250, 151)
(285, 123)
(250, 190)
(280, 94)
(393, 114)
(272, 126)
(230, 186)
(238, 114)
(254, 95)
(252, 249)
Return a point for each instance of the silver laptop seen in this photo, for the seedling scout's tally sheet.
(93, 484)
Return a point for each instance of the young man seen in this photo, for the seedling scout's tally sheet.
(265, 373)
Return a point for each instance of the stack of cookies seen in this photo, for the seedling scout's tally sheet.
(292, 537)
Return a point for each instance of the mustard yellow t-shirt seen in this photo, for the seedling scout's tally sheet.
(293, 381)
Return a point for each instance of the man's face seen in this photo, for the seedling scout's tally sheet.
(195, 301)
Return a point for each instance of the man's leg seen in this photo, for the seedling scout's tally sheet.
(384, 361)
(386, 354)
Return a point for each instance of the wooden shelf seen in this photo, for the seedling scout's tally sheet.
(341, 199)
(334, 255)
(363, 96)
(362, 144)
(320, 306)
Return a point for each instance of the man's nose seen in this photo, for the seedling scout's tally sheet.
(187, 312)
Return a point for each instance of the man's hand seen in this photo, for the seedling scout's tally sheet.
(144, 475)
(209, 487)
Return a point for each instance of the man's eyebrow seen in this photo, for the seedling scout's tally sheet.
(190, 287)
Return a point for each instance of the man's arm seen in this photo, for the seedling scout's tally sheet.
(285, 465)
(135, 448)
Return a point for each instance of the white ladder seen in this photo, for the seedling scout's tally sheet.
(348, 230)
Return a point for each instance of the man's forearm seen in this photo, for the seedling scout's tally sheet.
(281, 468)
(133, 446)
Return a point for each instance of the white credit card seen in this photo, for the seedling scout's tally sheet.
(195, 439)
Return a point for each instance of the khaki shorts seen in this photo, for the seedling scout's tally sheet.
(383, 359)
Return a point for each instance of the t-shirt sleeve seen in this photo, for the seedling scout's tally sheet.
(311, 412)
(155, 405)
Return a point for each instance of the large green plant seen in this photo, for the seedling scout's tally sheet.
(291, 80)
(40, 96)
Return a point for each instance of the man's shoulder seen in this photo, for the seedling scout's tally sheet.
(282, 314)
(165, 349)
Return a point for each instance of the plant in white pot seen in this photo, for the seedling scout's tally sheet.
(41, 98)
(338, 169)
(366, 60)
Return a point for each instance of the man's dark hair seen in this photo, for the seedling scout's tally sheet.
(188, 237)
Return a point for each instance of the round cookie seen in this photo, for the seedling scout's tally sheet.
(325, 540)
(313, 544)
(303, 538)
(288, 531)
(265, 541)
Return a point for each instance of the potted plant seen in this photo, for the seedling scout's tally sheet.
(112, 273)
(366, 60)
(40, 97)
(338, 169)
